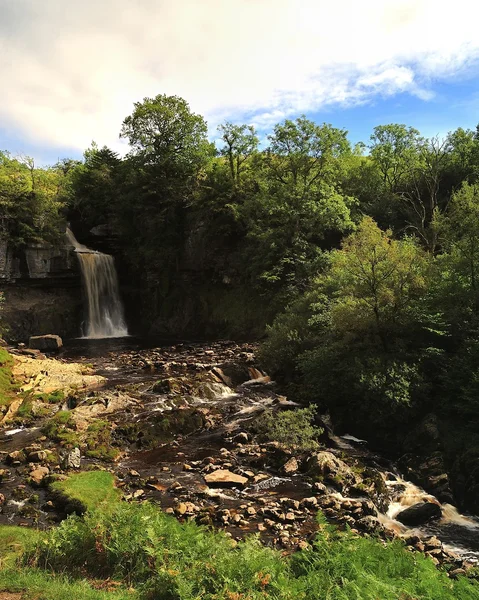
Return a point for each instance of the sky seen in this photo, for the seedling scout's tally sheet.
(70, 71)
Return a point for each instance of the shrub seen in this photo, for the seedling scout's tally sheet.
(293, 429)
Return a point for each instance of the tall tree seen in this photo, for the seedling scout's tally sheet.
(240, 142)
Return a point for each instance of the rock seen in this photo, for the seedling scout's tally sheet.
(456, 572)
(15, 457)
(319, 488)
(242, 438)
(311, 502)
(133, 473)
(291, 466)
(2, 499)
(433, 543)
(45, 343)
(332, 469)
(225, 478)
(72, 460)
(368, 524)
(38, 456)
(38, 474)
(419, 513)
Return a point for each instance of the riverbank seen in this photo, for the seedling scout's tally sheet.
(177, 426)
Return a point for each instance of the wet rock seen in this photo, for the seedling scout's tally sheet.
(45, 343)
(291, 466)
(419, 513)
(225, 478)
(16, 457)
(72, 459)
(38, 475)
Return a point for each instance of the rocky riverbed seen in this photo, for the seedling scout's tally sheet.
(176, 424)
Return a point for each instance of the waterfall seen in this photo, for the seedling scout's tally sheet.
(105, 318)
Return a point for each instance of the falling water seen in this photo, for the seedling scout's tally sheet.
(105, 317)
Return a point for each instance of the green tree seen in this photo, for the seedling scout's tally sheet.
(240, 142)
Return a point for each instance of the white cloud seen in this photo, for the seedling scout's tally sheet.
(70, 71)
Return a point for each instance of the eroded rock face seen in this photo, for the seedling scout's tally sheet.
(419, 513)
(45, 343)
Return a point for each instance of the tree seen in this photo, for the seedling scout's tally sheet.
(376, 281)
(302, 153)
(395, 149)
(163, 132)
(241, 142)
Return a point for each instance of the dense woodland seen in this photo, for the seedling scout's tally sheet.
(363, 261)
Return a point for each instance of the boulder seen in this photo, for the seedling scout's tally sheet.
(45, 343)
(225, 478)
(38, 474)
(332, 469)
(419, 513)
(291, 466)
(72, 460)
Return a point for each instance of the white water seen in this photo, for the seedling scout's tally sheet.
(105, 317)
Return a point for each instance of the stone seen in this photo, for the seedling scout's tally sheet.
(368, 524)
(45, 343)
(38, 456)
(433, 543)
(242, 438)
(332, 469)
(15, 457)
(225, 478)
(38, 474)
(133, 473)
(311, 502)
(456, 572)
(2, 499)
(419, 513)
(72, 460)
(291, 466)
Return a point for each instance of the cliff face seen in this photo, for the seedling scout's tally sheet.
(42, 289)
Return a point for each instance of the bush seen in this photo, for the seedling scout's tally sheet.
(293, 429)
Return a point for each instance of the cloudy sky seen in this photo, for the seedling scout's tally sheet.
(70, 70)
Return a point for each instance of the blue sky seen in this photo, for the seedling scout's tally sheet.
(71, 76)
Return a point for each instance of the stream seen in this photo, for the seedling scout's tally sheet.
(182, 413)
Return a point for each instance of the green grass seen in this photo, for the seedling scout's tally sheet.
(13, 541)
(93, 489)
(36, 584)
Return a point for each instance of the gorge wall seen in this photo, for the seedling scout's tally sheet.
(42, 290)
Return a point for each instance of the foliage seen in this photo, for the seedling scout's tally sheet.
(165, 559)
(293, 429)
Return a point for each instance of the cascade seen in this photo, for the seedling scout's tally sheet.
(105, 317)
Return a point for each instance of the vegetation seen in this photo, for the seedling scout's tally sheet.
(93, 489)
(293, 429)
(158, 557)
(7, 384)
